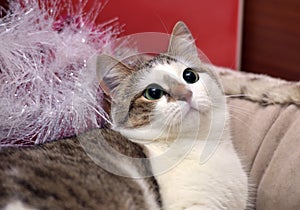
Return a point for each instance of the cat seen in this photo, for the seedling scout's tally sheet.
(60, 175)
(172, 100)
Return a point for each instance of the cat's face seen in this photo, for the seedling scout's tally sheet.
(166, 94)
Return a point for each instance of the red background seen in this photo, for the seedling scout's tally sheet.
(213, 23)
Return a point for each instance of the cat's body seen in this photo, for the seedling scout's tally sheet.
(60, 175)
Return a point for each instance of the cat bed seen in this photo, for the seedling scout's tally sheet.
(268, 139)
(265, 128)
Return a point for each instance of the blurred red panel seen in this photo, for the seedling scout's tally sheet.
(214, 23)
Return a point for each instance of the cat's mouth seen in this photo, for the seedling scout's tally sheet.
(199, 107)
(189, 108)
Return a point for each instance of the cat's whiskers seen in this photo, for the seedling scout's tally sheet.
(143, 60)
(165, 129)
(169, 131)
(244, 122)
(241, 95)
(101, 113)
(235, 109)
(239, 110)
(239, 119)
(171, 121)
(178, 119)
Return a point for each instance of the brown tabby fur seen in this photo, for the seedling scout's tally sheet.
(60, 175)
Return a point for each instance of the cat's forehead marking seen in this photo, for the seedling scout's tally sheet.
(161, 59)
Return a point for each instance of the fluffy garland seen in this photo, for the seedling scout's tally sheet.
(46, 91)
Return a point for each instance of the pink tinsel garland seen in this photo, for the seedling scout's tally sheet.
(46, 91)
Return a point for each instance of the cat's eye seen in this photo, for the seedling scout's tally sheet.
(190, 76)
(153, 92)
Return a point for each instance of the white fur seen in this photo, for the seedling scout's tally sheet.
(219, 183)
(17, 205)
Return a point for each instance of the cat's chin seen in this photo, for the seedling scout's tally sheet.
(141, 135)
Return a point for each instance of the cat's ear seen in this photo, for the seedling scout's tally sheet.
(110, 72)
(181, 42)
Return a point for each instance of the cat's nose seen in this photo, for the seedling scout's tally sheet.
(186, 96)
(182, 93)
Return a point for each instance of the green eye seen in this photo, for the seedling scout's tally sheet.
(153, 92)
(190, 76)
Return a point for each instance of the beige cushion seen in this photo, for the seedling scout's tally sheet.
(268, 140)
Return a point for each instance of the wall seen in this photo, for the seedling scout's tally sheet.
(214, 23)
(271, 41)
